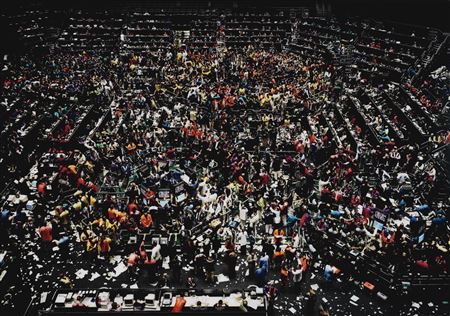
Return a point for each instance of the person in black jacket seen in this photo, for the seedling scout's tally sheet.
(231, 262)
(175, 266)
(209, 269)
(310, 303)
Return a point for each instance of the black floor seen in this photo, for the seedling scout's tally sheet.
(34, 272)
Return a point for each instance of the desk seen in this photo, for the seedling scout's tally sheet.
(133, 302)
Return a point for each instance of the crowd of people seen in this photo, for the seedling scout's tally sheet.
(229, 154)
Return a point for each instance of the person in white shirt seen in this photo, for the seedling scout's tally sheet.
(243, 214)
(242, 242)
(276, 218)
(156, 252)
(402, 177)
(297, 276)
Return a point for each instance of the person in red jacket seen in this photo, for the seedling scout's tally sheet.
(41, 188)
(179, 304)
(133, 208)
(133, 259)
(45, 232)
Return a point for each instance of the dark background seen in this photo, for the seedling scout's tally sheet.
(426, 12)
(432, 13)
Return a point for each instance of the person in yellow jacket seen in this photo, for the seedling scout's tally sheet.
(62, 215)
(265, 119)
(99, 222)
(110, 227)
(206, 70)
(131, 147)
(89, 166)
(90, 239)
(72, 169)
(179, 56)
(261, 203)
(88, 200)
(91, 244)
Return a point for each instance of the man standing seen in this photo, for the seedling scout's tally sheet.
(251, 261)
(175, 266)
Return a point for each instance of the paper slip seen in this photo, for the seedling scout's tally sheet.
(315, 287)
(121, 268)
(81, 273)
(354, 298)
(43, 297)
(94, 276)
(253, 304)
(222, 278)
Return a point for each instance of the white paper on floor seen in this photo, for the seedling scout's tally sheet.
(81, 273)
(222, 278)
(115, 259)
(43, 297)
(121, 268)
(354, 298)
(293, 310)
(253, 304)
(315, 287)
(94, 276)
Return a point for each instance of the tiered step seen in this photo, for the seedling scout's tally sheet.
(181, 36)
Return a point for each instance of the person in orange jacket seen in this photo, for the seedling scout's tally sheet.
(146, 221)
(179, 304)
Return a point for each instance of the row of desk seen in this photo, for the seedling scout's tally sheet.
(156, 301)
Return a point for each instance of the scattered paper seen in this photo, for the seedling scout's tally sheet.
(81, 273)
(94, 276)
(121, 268)
(253, 304)
(43, 297)
(115, 259)
(222, 278)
